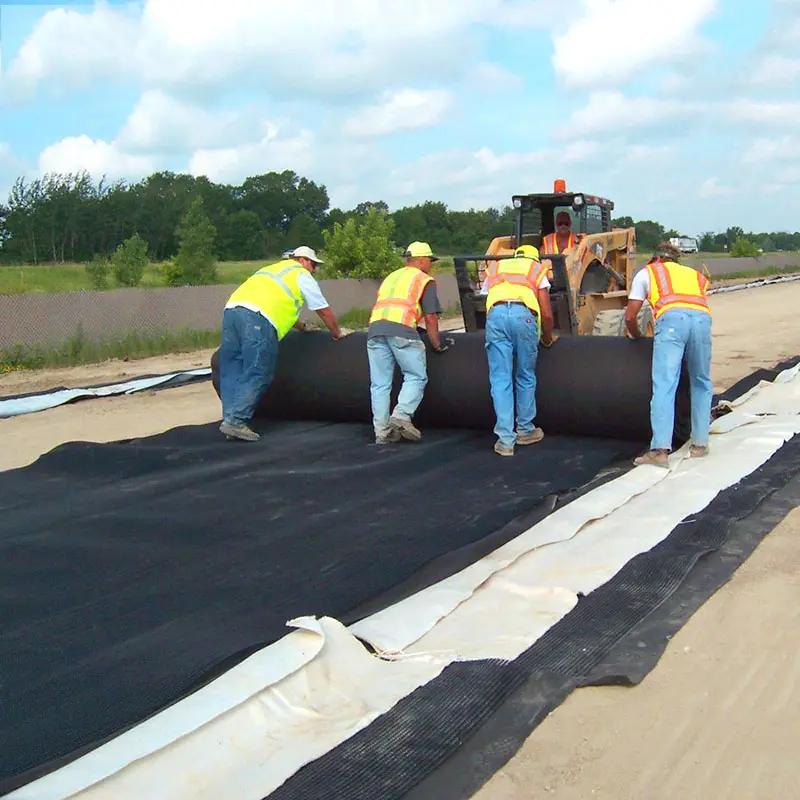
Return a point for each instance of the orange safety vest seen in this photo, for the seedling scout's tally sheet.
(514, 279)
(399, 297)
(674, 285)
(550, 244)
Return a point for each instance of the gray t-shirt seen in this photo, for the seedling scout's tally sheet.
(430, 305)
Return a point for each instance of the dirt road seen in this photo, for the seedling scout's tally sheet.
(720, 714)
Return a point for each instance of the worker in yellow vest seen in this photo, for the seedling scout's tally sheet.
(678, 297)
(518, 317)
(562, 239)
(405, 297)
(257, 316)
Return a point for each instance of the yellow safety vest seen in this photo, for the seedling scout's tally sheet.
(399, 297)
(674, 285)
(514, 279)
(550, 244)
(275, 291)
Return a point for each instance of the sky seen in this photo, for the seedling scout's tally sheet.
(682, 111)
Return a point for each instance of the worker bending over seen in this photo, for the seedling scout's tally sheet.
(678, 296)
(405, 297)
(562, 239)
(256, 317)
(518, 315)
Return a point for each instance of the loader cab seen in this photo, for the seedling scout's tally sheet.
(535, 216)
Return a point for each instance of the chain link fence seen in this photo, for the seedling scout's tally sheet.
(76, 327)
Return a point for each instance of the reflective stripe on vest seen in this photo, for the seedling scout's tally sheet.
(399, 297)
(274, 291)
(550, 244)
(515, 279)
(674, 285)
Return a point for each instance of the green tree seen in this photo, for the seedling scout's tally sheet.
(362, 247)
(744, 248)
(304, 230)
(129, 261)
(98, 270)
(196, 261)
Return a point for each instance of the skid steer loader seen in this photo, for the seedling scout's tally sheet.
(589, 282)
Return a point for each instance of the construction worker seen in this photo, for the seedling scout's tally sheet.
(678, 297)
(405, 297)
(518, 317)
(562, 239)
(257, 316)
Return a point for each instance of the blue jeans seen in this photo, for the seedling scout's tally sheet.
(680, 334)
(383, 353)
(247, 357)
(512, 330)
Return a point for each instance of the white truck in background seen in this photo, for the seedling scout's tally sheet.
(684, 243)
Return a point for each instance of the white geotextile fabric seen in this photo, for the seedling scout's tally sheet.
(29, 405)
(252, 728)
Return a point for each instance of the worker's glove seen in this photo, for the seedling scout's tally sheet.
(553, 340)
(342, 333)
(445, 344)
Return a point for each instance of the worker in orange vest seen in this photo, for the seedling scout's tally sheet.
(562, 239)
(405, 297)
(678, 297)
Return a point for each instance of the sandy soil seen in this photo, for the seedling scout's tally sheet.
(720, 714)
(719, 717)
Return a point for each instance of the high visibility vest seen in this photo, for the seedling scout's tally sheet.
(275, 291)
(674, 285)
(550, 244)
(514, 279)
(399, 297)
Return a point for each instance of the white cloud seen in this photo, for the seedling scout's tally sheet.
(614, 112)
(404, 110)
(95, 156)
(766, 149)
(161, 123)
(491, 77)
(613, 41)
(775, 70)
(273, 152)
(766, 114)
(711, 187)
(69, 48)
(328, 49)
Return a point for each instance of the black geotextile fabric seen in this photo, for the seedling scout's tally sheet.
(585, 385)
(132, 573)
(446, 738)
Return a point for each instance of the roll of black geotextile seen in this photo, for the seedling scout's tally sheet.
(586, 385)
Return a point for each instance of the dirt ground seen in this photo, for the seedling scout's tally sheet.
(720, 714)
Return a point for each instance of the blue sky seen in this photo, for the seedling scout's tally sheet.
(685, 111)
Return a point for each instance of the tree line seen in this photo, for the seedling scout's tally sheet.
(63, 218)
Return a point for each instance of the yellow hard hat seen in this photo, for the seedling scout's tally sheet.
(420, 249)
(527, 251)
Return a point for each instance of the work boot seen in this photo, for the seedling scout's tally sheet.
(503, 450)
(406, 428)
(241, 432)
(392, 435)
(655, 458)
(531, 437)
(698, 451)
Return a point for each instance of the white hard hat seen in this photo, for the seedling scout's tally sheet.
(307, 252)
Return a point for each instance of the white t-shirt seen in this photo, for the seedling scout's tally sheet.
(640, 285)
(312, 293)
